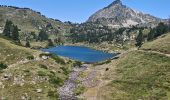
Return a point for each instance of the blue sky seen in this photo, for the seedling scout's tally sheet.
(80, 10)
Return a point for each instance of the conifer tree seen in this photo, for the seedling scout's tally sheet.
(42, 35)
(27, 44)
(139, 39)
(50, 43)
(151, 34)
(15, 33)
(8, 28)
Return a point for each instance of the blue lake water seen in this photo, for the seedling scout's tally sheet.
(79, 53)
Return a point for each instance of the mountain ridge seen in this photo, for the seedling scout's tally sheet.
(31, 19)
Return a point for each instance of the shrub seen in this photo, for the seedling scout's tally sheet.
(77, 63)
(56, 81)
(44, 54)
(52, 94)
(65, 70)
(3, 66)
(41, 73)
(43, 66)
(50, 43)
(31, 57)
(58, 59)
(27, 44)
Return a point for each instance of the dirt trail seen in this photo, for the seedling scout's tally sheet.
(168, 55)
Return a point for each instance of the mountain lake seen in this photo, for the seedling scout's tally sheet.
(80, 53)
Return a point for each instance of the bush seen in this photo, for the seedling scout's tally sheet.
(65, 70)
(3, 66)
(52, 94)
(58, 59)
(44, 54)
(27, 44)
(43, 66)
(56, 81)
(41, 73)
(31, 57)
(77, 63)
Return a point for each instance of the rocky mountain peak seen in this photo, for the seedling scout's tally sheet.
(116, 2)
(118, 15)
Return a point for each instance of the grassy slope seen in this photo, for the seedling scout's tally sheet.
(136, 75)
(139, 75)
(24, 79)
(10, 53)
(162, 44)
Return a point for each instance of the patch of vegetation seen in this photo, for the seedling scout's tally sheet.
(27, 72)
(83, 74)
(65, 70)
(11, 31)
(50, 43)
(157, 31)
(3, 66)
(30, 57)
(79, 90)
(42, 73)
(56, 81)
(52, 95)
(43, 66)
(58, 59)
(77, 63)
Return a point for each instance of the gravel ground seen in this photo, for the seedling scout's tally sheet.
(66, 92)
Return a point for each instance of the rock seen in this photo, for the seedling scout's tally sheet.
(7, 76)
(39, 90)
(23, 98)
(45, 57)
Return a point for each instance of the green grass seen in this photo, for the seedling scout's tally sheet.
(11, 53)
(141, 75)
(162, 44)
(35, 74)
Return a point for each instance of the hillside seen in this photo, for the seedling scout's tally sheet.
(135, 75)
(140, 75)
(29, 20)
(29, 75)
(117, 15)
(162, 44)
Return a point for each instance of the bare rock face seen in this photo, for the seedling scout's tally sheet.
(119, 15)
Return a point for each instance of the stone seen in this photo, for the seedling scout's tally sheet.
(39, 90)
